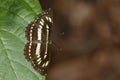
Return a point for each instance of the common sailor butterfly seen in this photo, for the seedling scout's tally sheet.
(38, 35)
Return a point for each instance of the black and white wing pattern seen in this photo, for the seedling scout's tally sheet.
(38, 35)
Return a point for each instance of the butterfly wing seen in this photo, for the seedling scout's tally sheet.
(37, 48)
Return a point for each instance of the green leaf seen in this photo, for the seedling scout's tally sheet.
(14, 17)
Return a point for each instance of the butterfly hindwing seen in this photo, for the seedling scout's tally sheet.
(38, 36)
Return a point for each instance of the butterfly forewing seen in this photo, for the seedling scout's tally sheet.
(38, 36)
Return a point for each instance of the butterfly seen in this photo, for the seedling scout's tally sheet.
(38, 35)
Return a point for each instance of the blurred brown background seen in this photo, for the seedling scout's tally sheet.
(88, 34)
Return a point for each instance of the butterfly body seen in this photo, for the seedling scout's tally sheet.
(38, 36)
